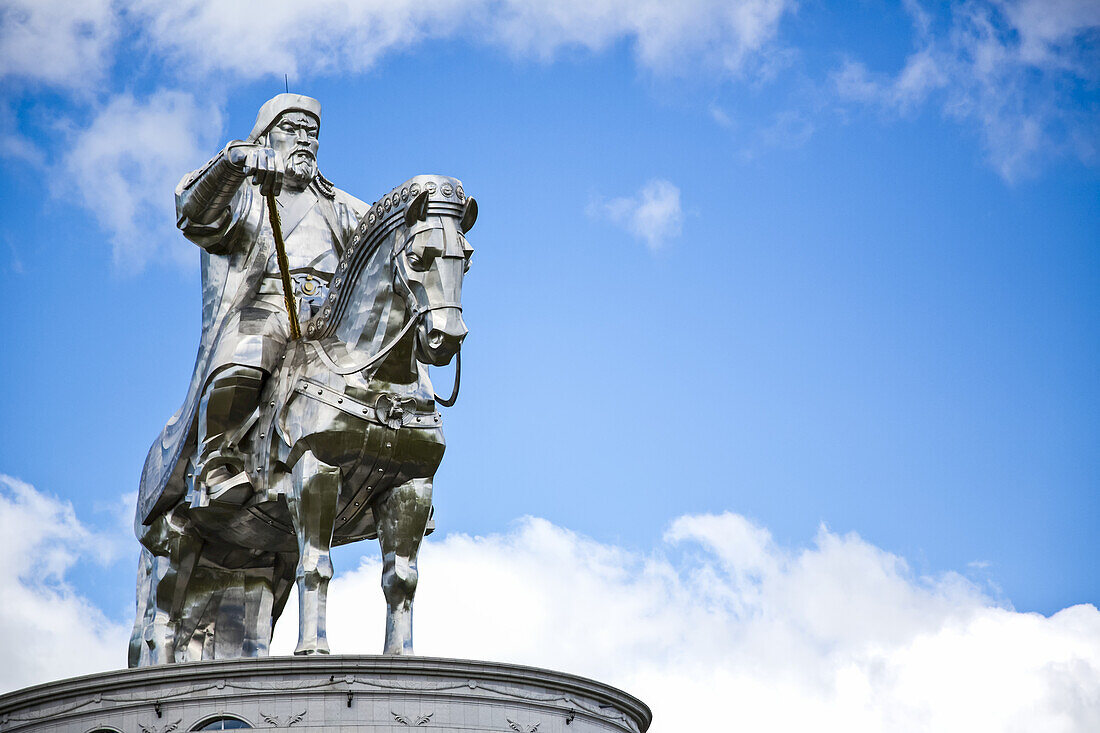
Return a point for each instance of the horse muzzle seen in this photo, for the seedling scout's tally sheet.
(440, 336)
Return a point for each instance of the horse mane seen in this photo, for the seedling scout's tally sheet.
(384, 218)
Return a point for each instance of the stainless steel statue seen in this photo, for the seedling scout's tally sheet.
(286, 446)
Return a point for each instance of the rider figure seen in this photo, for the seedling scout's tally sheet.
(245, 323)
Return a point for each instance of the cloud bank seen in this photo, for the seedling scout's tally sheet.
(717, 627)
(720, 628)
(47, 629)
(57, 42)
(72, 45)
(125, 174)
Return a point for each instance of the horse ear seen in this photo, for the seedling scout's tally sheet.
(417, 209)
(469, 215)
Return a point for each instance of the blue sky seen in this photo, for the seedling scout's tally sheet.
(803, 282)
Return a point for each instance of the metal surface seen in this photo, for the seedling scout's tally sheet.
(286, 447)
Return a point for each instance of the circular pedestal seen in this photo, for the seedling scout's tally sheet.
(338, 694)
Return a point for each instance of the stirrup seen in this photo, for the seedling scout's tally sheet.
(221, 480)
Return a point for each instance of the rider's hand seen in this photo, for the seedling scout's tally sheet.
(266, 166)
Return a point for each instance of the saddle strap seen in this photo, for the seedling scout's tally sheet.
(370, 413)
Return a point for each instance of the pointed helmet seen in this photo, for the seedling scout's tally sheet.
(279, 104)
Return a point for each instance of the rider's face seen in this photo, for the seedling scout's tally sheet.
(294, 135)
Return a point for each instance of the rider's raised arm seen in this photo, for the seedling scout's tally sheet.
(205, 199)
(211, 201)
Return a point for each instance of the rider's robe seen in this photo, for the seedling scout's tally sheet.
(237, 252)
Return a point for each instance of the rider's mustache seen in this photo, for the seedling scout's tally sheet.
(301, 167)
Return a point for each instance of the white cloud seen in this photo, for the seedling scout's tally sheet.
(666, 36)
(47, 629)
(719, 627)
(71, 45)
(722, 629)
(292, 37)
(205, 36)
(1012, 68)
(1047, 26)
(654, 215)
(125, 165)
(57, 42)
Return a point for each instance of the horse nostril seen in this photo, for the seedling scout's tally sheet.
(435, 338)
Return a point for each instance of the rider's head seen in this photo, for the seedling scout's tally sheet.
(290, 124)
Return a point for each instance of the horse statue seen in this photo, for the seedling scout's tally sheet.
(343, 448)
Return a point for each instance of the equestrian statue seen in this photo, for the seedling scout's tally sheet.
(310, 420)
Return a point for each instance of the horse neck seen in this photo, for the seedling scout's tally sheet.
(398, 367)
(375, 316)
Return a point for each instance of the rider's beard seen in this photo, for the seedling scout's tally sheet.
(302, 169)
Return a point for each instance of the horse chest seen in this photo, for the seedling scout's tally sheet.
(395, 455)
(377, 440)
(389, 457)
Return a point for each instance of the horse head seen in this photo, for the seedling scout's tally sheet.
(431, 256)
(402, 271)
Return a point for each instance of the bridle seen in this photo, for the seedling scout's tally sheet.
(417, 313)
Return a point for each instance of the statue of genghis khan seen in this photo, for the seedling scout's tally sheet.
(223, 208)
(311, 418)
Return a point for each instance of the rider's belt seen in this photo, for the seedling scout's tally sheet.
(389, 410)
(306, 285)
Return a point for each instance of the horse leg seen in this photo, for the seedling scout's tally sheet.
(282, 583)
(315, 487)
(186, 551)
(163, 581)
(402, 517)
(151, 635)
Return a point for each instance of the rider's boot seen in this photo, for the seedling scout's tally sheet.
(226, 411)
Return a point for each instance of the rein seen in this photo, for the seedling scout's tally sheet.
(449, 402)
(383, 352)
